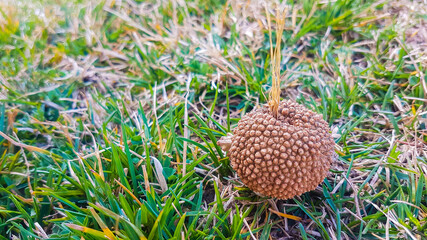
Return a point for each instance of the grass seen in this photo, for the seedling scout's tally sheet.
(110, 115)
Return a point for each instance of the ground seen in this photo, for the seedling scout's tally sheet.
(110, 115)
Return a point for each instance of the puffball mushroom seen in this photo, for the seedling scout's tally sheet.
(281, 156)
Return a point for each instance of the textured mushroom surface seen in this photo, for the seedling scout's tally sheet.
(283, 156)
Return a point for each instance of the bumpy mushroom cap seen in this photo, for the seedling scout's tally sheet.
(282, 157)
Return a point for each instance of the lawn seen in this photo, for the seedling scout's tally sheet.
(111, 112)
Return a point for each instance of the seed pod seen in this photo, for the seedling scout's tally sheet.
(285, 156)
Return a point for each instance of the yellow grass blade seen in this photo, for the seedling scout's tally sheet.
(285, 215)
(128, 191)
(28, 147)
(90, 231)
(104, 227)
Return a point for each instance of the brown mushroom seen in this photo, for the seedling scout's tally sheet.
(283, 156)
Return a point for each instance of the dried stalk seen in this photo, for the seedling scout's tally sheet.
(275, 53)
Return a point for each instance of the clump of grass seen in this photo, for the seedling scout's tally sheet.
(102, 103)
